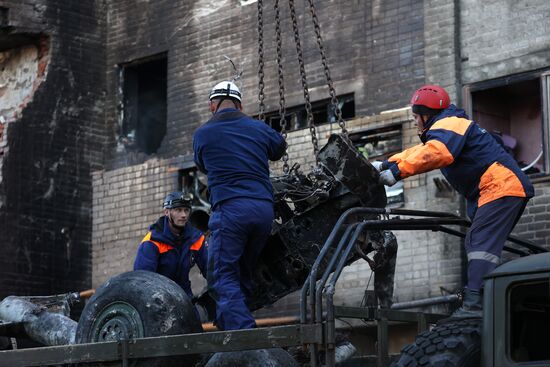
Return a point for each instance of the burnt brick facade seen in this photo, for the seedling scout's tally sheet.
(386, 47)
(52, 138)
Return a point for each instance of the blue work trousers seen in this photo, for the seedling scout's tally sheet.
(239, 230)
(491, 225)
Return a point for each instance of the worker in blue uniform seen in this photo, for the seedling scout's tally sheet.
(172, 246)
(479, 168)
(233, 149)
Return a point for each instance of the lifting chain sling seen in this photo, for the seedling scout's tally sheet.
(303, 77)
(282, 101)
(332, 92)
(261, 85)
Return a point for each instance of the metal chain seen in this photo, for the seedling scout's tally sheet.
(261, 85)
(309, 113)
(334, 100)
(282, 102)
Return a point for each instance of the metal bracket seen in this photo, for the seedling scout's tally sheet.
(124, 351)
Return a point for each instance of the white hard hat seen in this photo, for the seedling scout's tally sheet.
(225, 89)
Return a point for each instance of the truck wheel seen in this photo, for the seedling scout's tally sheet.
(274, 357)
(453, 344)
(138, 304)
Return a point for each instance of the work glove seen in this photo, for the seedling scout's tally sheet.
(387, 178)
(377, 165)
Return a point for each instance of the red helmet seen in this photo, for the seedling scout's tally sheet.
(431, 96)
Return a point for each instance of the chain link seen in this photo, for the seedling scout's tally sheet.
(282, 101)
(333, 100)
(309, 112)
(261, 85)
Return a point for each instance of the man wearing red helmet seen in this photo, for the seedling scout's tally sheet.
(478, 167)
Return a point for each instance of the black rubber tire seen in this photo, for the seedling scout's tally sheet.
(452, 344)
(274, 357)
(139, 304)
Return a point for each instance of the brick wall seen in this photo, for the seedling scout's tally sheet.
(125, 202)
(385, 52)
(500, 38)
(50, 145)
(535, 222)
(441, 46)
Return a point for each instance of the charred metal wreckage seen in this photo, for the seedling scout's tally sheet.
(307, 206)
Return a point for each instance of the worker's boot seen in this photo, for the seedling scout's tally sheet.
(472, 306)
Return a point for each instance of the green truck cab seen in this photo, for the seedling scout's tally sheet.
(516, 319)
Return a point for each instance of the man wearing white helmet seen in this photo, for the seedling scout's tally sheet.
(233, 149)
(225, 91)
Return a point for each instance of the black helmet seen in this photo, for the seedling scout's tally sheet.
(177, 199)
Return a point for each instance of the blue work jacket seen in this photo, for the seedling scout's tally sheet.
(172, 256)
(233, 149)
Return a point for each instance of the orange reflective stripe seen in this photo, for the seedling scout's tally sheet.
(198, 244)
(432, 155)
(162, 247)
(498, 181)
(455, 124)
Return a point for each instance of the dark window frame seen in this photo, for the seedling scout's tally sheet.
(139, 131)
(297, 116)
(518, 318)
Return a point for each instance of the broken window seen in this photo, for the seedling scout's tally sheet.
(529, 305)
(323, 112)
(512, 110)
(378, 144)
(143, 109)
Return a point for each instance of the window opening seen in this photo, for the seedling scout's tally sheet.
(144, 86)
(514, 112)
(379, 144)
(529, 305)
(323, 112)
(192, 181)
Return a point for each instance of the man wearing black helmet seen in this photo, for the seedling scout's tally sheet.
(172, 246)
(234, 150)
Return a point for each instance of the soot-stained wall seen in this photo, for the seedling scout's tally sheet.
(51, 114)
